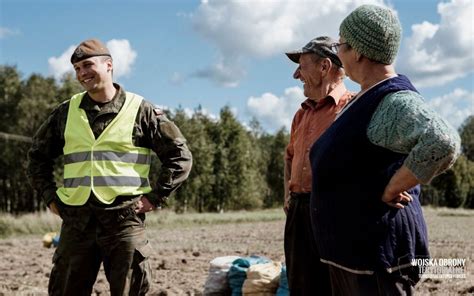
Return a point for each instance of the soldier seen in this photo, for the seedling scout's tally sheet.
(106, 136)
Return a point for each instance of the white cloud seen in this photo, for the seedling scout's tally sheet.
(190, 112)
(262, 28)
(162, 107)
(438, 53)
(455, 107)
(222, 73)
(123, 55)
(58, 66)
(7, 32)
(272, 111)
(265, 28)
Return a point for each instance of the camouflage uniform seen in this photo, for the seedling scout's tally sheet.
(113, 234)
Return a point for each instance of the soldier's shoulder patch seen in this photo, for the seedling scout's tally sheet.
(158, 111)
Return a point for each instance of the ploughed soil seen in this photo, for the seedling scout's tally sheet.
(180, 261)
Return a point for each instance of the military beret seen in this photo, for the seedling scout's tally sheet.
(89, 48)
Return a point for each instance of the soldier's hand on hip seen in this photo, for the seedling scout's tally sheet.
(53, 208)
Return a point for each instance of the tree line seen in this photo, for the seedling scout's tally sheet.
(236, 166)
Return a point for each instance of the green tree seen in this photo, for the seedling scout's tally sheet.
(455, 185)
(470, 196)
(238, 183)
(197, 191)
(69, 86)
(254, 186)
(275, 169)
(461, 181)
(235, 167)
(467, 137)
(10, 95)
(39, 97)
(430, 195)
(467, 142)
(225, 184)
(25, 104)
(201, 180)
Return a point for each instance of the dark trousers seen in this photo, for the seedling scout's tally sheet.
(378, 284)
(90, 237)
(306, 274)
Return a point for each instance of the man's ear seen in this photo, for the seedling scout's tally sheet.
(325, 65)
(110, 65)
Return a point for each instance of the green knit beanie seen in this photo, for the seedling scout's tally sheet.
(374, 32)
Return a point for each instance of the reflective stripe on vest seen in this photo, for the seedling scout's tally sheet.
(108, 166)
(107, 155)
(106, 181)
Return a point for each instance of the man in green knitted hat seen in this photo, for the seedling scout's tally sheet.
(367, 166)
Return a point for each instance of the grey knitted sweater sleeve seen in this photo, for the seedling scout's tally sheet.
(404, 123)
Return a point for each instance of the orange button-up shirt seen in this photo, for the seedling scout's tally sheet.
(309, 123)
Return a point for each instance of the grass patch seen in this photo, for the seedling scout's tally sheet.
(448, 212)
(37, 223)
(40, 223)
(171, 219)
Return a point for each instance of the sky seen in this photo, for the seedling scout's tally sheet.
(213, 53)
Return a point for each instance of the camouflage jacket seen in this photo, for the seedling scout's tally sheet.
(152, 130)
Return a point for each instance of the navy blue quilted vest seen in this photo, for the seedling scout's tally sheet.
(352, 226)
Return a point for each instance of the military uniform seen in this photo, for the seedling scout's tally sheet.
(96, 232)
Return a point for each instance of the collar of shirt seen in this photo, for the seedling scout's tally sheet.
(360, 95)
(112, 106)
(334, 96)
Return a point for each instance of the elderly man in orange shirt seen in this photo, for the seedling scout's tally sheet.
(322, 75)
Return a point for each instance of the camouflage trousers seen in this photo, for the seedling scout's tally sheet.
(91, 236)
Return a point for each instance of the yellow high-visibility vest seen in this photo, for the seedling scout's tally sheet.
(110, 165)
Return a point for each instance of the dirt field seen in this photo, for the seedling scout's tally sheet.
(181, 259)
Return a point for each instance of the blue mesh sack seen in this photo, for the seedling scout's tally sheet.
(238, 272)
(283, 288)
